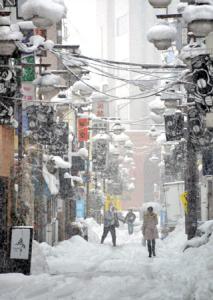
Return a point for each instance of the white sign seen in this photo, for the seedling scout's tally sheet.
(20, 243)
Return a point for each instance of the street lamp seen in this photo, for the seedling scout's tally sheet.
(118, 128)
(47, 83)
(8, 35)
(162, 35)
(160, 3)
(199, 18)
(43, 14)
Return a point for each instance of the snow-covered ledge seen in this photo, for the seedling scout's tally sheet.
(42, 13)
(199, 19)
(162, 35)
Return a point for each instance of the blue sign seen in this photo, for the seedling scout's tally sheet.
(80, 208)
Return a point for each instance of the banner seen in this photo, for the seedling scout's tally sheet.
(83, 130)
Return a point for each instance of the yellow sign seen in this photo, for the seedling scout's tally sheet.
(184, 201)
(112, 201)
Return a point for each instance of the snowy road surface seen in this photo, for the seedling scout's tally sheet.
(77, 270)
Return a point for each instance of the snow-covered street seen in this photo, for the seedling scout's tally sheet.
(80, 270)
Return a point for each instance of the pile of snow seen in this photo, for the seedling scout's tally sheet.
(51, 181)
(47, 79)
(53, 10)
(161, 139)
(122, 137)
(10, 32)
(206, 228)
(94, 230)
(181, 7)
(83, 87)
(193, 50)
(100, 136)
(157, 106)
(60, 163)
(38, 263)
(161, 31)
(200, 12)
(83, 153)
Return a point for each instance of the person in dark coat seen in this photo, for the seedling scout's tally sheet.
(149, 230)
(130, 219)
(110, 223)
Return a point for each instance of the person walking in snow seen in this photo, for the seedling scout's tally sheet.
(130, 219)
(149, 229)
(110, 223)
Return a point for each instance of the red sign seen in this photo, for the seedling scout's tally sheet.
(83, 130)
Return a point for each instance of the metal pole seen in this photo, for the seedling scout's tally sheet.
(191, 186)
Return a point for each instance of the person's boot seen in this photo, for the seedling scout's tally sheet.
(153, 251)
(150, 250)
(153, 248)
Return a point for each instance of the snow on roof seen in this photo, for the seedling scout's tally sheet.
(53, 10)
(161, 31)
(200, 12)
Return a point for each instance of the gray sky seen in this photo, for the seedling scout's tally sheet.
(81, 19)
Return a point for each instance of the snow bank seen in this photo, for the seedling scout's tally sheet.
(200, 12)
(39, 262)
(89, 271)
(207, 229)
(53, 10)
(161, 31)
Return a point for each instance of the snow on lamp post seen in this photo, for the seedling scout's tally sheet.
(8, 35)
(199, 18)
(83, 87)
(42, 13)
(157, 109)
(118, 128)
(47, 83)
(160, 3)
(162, 35)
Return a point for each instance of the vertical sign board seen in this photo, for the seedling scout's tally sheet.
(21, 248)
(101, 109)
(83, 130)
